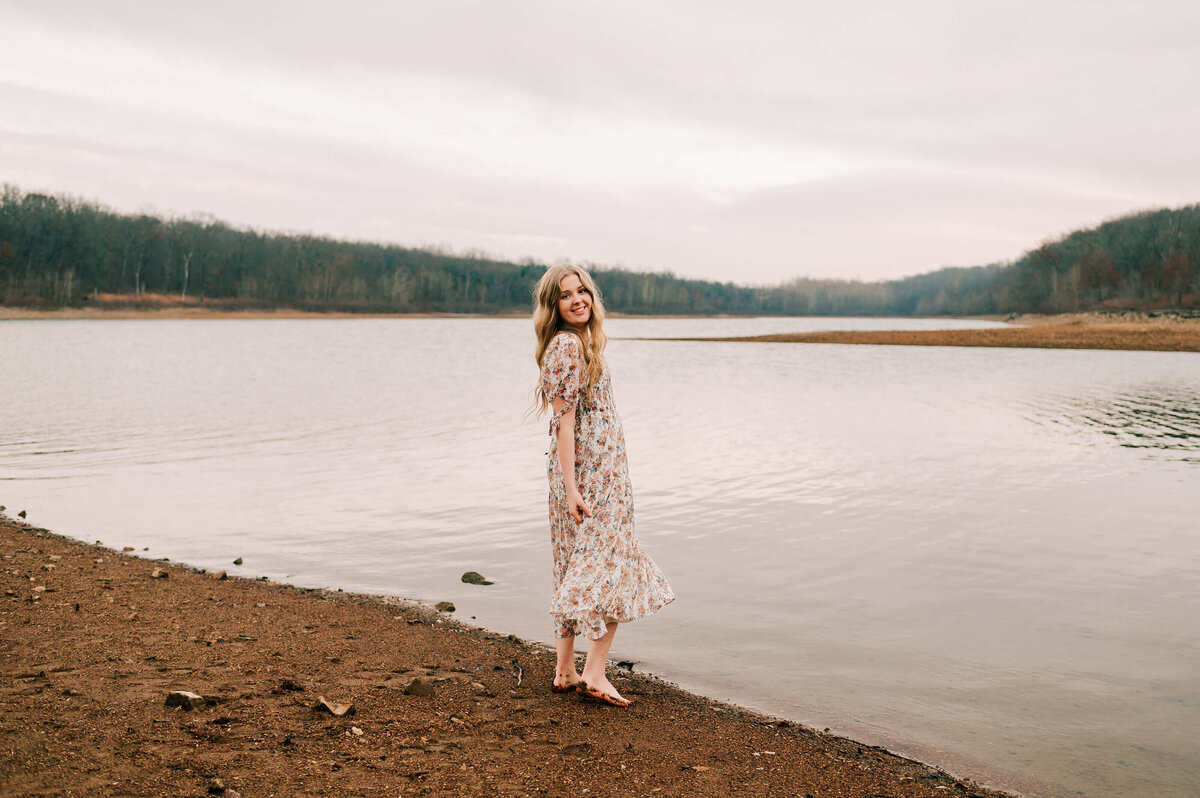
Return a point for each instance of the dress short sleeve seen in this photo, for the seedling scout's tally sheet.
(561, 367)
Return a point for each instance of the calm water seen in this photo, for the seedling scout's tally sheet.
(985, 558)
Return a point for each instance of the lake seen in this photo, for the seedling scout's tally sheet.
(988, 559)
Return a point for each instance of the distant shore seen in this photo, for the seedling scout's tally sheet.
(208, 312)
(1082, 331)
(94, 640)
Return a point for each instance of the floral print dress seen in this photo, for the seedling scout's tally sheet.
(601, 573)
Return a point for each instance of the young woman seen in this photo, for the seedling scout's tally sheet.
(601, 575)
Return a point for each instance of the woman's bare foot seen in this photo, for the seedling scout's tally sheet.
(565, 682)
(605, 690)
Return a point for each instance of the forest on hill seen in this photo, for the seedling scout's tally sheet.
(60, 251)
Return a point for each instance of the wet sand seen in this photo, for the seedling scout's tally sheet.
(93, 643)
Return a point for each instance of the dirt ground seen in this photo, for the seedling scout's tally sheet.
(93, 642)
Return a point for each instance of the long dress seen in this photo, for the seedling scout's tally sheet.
(601, 574)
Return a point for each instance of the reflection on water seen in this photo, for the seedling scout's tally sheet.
(1161, 416)
(930, 548)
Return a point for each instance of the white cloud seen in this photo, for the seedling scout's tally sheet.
(748, 142)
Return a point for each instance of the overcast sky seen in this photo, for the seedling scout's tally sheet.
(747, 141)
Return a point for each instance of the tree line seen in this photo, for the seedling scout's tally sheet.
(61, 251)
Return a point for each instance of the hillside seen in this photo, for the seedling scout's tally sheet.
(58, 251)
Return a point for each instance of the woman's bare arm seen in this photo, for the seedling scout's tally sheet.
(566, 459)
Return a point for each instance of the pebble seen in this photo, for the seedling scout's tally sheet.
(418, 686)
(337, 710)
(159, 573)
(219, 575)
(238, 561)
(475, 578)
(444, 606)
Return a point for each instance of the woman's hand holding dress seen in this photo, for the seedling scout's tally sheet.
(566, 459)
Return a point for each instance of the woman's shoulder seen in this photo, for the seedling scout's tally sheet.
(564, 342)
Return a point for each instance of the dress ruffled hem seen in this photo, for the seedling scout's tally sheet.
(587, 606)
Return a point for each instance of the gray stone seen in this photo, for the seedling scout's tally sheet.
(475, 578)
(238, 561)
(444, 606)
(186, 700)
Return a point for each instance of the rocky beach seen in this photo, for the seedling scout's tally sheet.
(128, 675)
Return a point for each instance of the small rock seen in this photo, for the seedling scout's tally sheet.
(444, 606)
(220, 575)
(291, 685)
(21, 514)
(238, 561)
(357, 732)
(182, 698)
(216, 787)
(159, 573)
(232, 794)
(49, 567)
(418, 686)
(475, 578)
(133, 616)
(128, 548)
(40, 589)
(337, 710)
(55, 557)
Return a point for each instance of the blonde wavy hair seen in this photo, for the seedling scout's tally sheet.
(548, 322)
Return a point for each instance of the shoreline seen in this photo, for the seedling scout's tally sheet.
(94, 643)
(1183, 336)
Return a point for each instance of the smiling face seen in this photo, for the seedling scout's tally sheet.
(574, 302)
